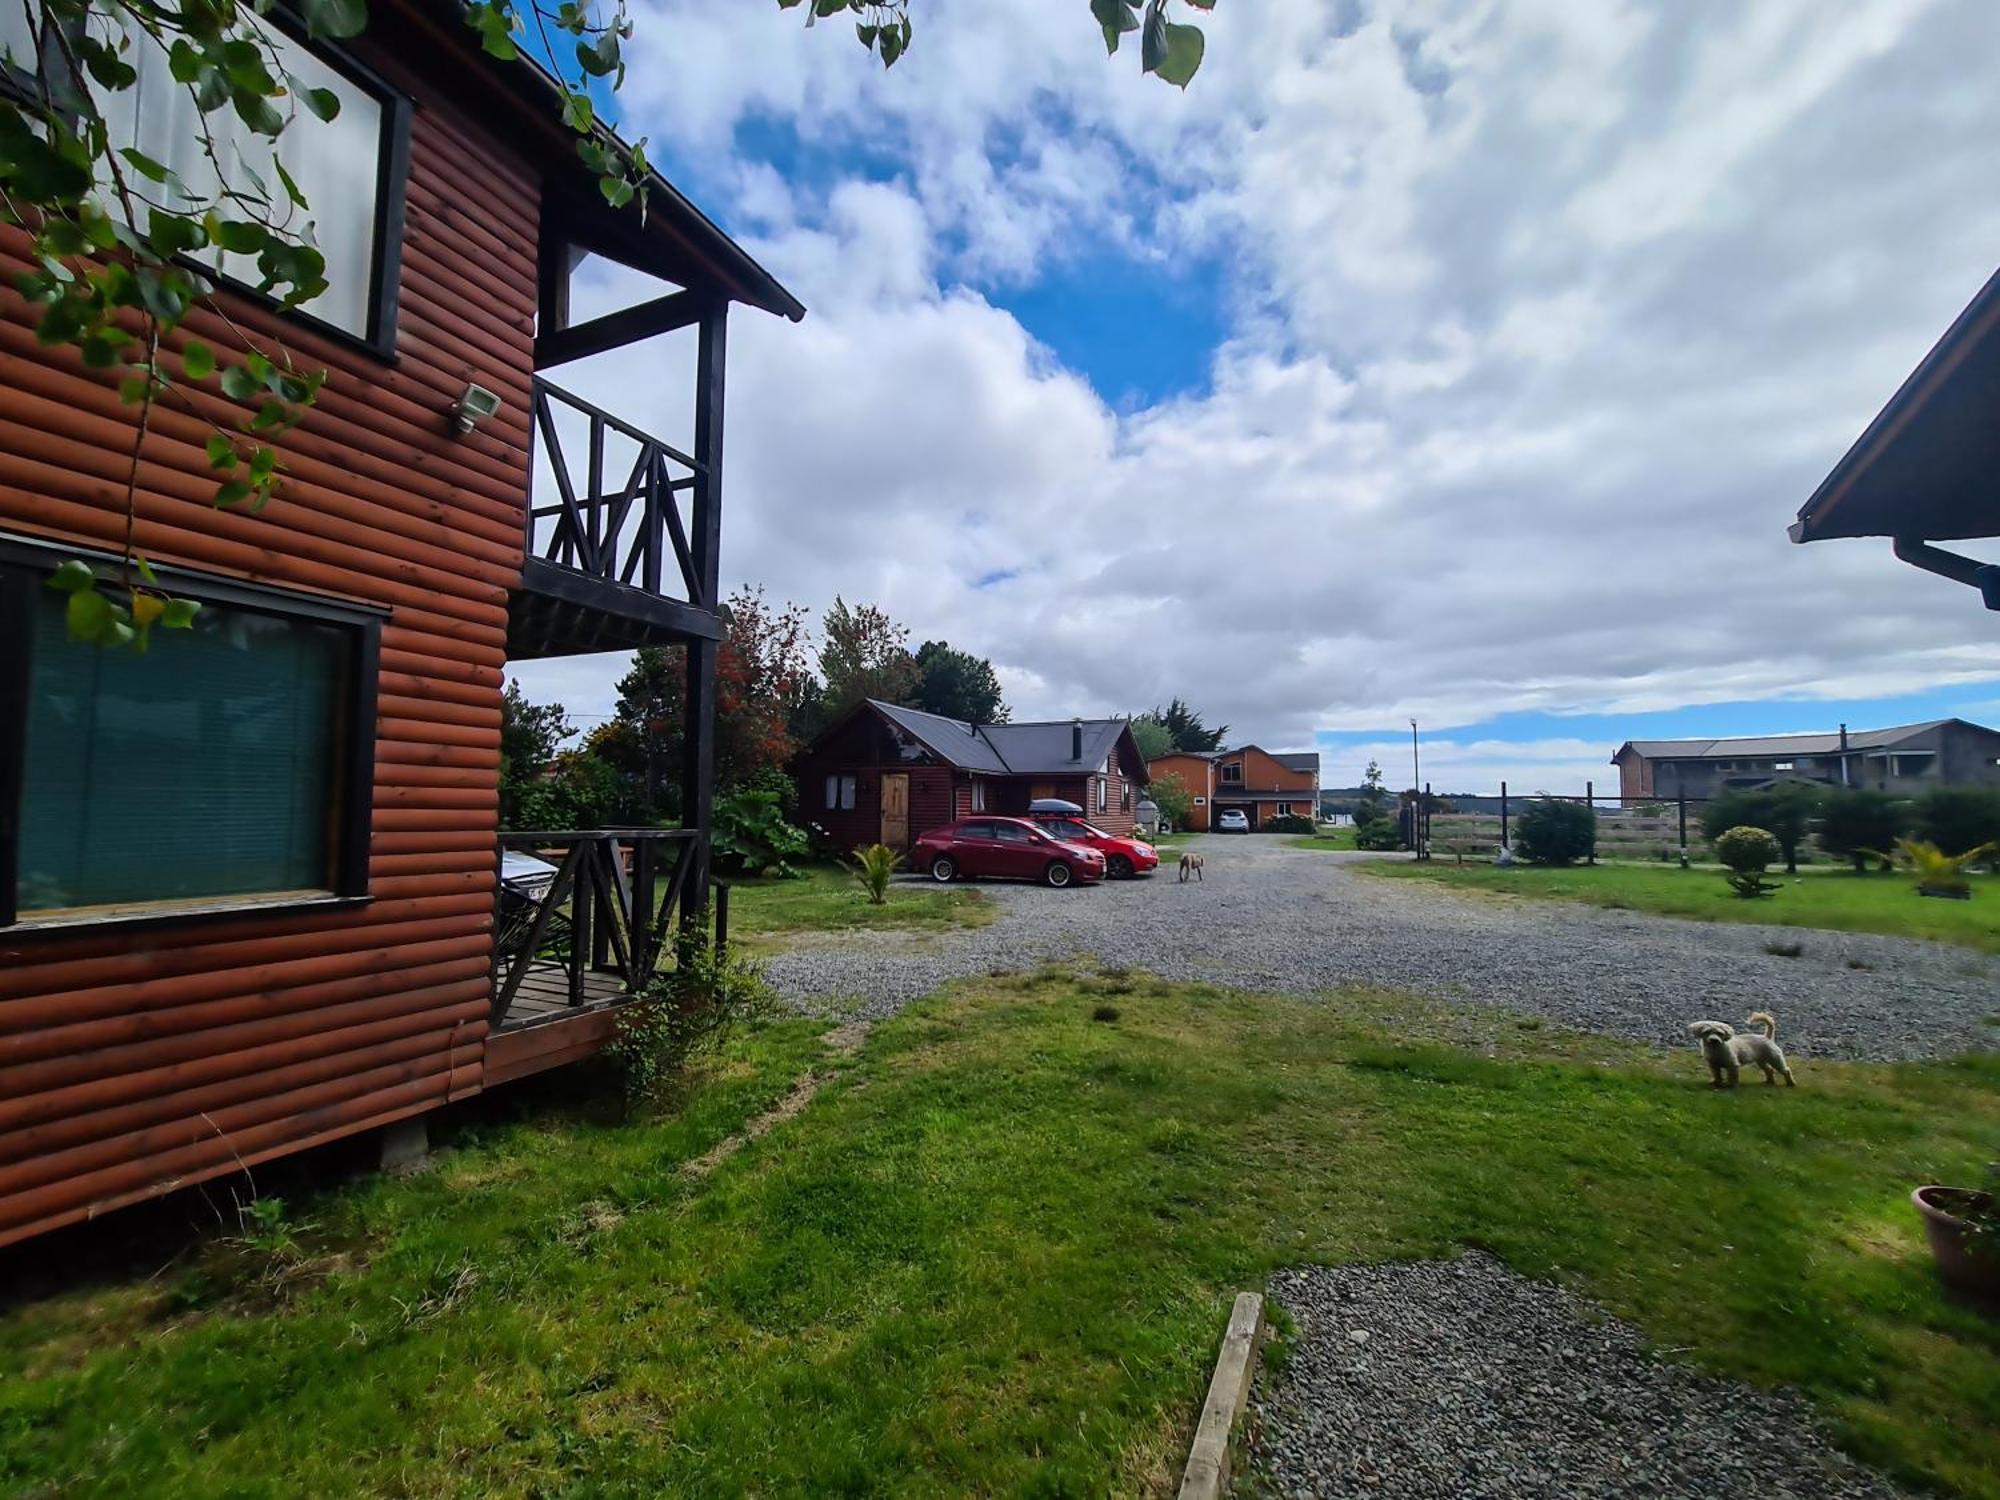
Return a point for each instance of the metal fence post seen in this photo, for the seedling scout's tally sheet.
(721, 920)
(1424, 807)
(1503, 815)
(1684, 828)
(1590, 801)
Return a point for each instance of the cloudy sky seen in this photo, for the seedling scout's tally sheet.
(1458, 360)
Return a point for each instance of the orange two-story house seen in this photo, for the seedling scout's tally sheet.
(1251, 780)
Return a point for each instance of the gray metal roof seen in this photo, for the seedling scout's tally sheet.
(1299, 761)
(1040, 749)
(1754, 746)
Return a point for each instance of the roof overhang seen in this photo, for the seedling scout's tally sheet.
(670, 239)
(1927, 469)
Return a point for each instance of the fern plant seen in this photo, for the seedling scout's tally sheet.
(873, 866)
(1936, 873)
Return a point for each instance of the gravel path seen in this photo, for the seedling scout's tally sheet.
(1458, 1379)
(1299, 921)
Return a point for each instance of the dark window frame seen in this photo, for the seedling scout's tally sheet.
(25, 566)
(392, 184)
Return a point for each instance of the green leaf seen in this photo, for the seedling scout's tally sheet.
(335, 18)
(1116, 17)
(259, 114)
(1185, 45)
(1153, 37)
(599, 57)
(239, 384)
(197, 360)
(88, 615)
(230, 491)
(221, 452)
(291, 188)
(179, 614)
(146, 571)
(617, 191)
(323, 102)
(144, 165)
(239, 236)
(577, 112)
(135, 388)
(72, 576)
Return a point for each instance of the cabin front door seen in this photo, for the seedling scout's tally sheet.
(896, 809)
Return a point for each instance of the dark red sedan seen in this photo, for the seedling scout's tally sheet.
(1009, 848)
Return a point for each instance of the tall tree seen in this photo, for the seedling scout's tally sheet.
(1188, 732)
(958, 685)
(863, 654)
(763, 671)
(1153, 738)
(531, 736)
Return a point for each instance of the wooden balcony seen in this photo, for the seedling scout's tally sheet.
(617, 531)
(585, 934)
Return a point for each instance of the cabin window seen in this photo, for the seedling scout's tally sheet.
(1781, 765)
(1284, 809)
(1125, 797)
(1100, 794)
(1233, 773)
(840, 794)
(978, 795)
(350, 169)
(231, 763)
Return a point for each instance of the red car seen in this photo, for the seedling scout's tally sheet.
(1123, 858)
(1008, 847)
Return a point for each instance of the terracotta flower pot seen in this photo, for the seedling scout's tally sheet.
(1960, 1266)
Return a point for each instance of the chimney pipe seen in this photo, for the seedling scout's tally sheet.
(1843, 755)
(1076, 739)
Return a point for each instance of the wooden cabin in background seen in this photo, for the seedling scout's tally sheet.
(248, 880)
(884, 774)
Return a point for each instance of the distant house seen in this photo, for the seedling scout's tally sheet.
(1260, 784)
(888, 774)
(1907, 758)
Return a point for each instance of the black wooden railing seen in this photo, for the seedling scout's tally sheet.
(627, 530)
(600, 928)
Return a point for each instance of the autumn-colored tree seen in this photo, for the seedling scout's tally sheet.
(763, 672)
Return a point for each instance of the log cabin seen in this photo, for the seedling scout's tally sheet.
(250, 898)
(881, 773)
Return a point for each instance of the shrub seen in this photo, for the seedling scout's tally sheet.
(1377, 834)
(752, 836)
(1855, 822)
(1748, 853)
(1290, 823)
(1549, 832)
(1171, 796)
(1783, 811)
(683, 1011)
(872, 867)
(1958, 818)
(1938, 873)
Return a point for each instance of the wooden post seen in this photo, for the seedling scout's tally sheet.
(721, 920)
(1590, 801)
(1424, 811)
(1503, 815)
(698, 767)
(580, 911)
(1684, 827)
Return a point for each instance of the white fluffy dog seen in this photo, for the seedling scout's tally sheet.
(1726, 1052)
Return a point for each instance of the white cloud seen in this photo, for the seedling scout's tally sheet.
(1544, 320)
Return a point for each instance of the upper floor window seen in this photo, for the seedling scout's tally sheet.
(350, 169)
(231, 764)
(1232, 772)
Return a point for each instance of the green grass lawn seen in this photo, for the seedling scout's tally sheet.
(1326, 838)
(1838, 900)
(994, 1256)
(827, 898)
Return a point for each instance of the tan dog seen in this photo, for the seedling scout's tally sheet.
(1190, 865)
(1726, 1052)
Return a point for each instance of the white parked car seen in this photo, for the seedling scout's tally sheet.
(1232, 820)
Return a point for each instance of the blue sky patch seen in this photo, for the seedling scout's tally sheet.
(1138, 332)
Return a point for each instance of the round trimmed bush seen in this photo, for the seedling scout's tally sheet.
(1549, 832)
(1748, 853)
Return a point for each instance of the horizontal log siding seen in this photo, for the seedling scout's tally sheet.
(135, 1062)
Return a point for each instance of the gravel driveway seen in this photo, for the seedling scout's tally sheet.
(1301, 921)
(1457, 1378)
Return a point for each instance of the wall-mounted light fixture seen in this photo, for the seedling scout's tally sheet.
(477, 405)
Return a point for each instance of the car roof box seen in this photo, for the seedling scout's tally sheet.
(1055, 805)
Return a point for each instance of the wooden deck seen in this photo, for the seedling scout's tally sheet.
(543, 1030)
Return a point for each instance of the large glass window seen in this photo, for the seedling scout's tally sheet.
(218, 765)
(345, 168)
